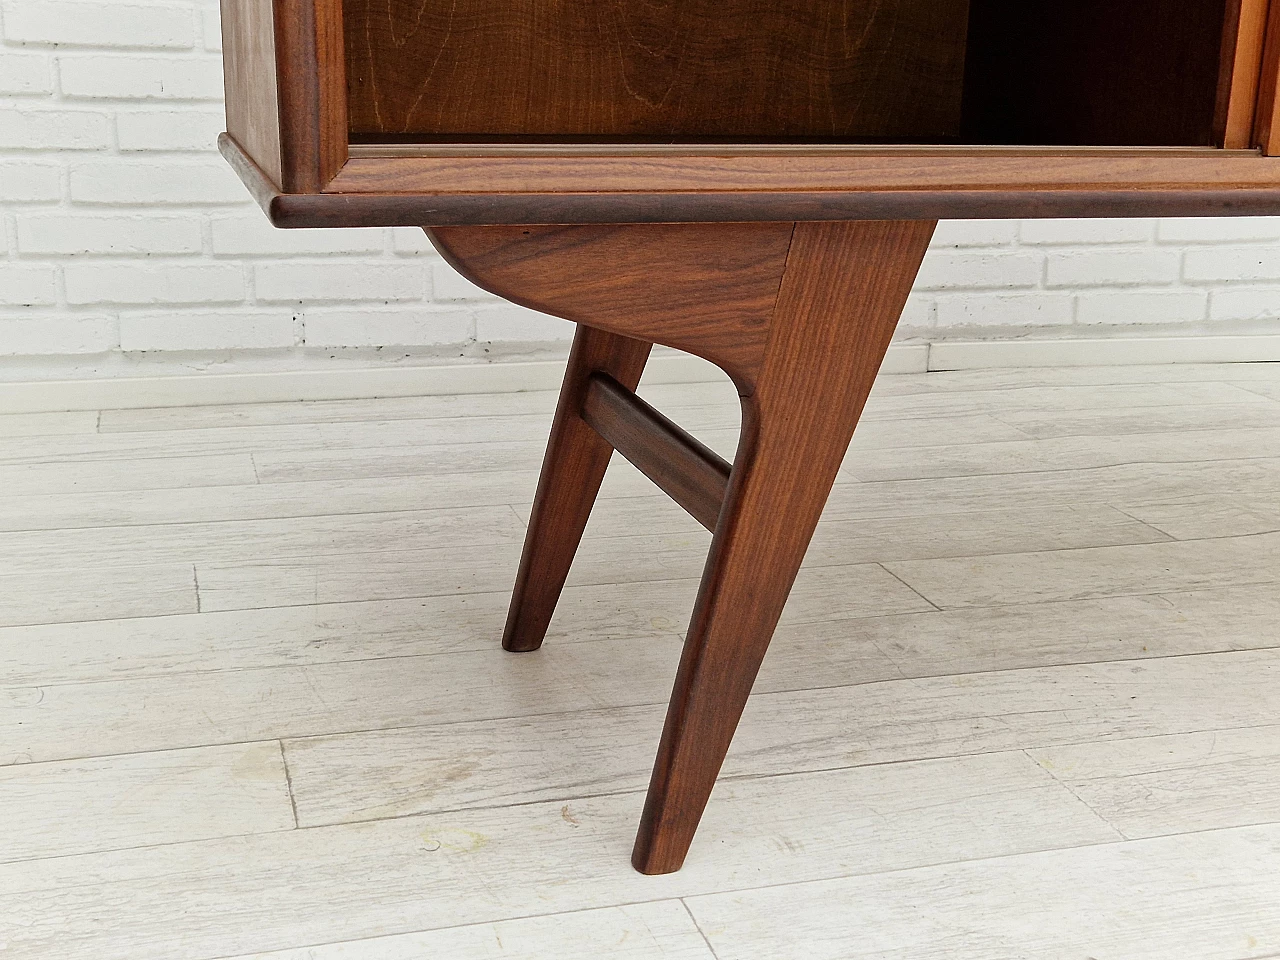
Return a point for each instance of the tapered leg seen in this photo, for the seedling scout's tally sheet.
(842, 292)
(799, 315)
(572, 471)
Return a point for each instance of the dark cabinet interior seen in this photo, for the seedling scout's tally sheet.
(991, 72)
(1100, 72)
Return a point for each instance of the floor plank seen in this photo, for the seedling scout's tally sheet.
(1032, 650)
(225, 897)
(279, 576)
(1121, 486)
(437, 768)
(1214, 896)
(48, 424)
(967, 401)
(671, 555)
(983, 639)
(364, 435)
(1206, 517)
(1065, 453)
(108, 803)
(1123, 421)
(377, 434)
(228, 541)
(69, 594)
(628, 499)
(214, 416)
(388, 576)
(917, 644)
(639, 931)
(69, 721)
(1183, 783)
(207, 642)
(18, 480)
(1094, 572)
(1018, 378)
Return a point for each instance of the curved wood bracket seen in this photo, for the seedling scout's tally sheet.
(800, 316)
(706, 288)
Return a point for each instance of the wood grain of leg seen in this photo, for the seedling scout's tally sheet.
(844, 288)
(572, 472)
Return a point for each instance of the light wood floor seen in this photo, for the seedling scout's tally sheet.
(1025, 702)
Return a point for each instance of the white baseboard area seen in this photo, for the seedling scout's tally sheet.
(208, 389)
(1112, 352)
(350, 383)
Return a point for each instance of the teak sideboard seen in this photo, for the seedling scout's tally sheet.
(751, 181)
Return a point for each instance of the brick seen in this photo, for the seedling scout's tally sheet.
(187, 129)
(387, 327)
(29, 129)
(918, 313)
(1111, 268)
(30, 182)
(1244, 303)
(411, 240)
(144, 283)
(1219, 229)
(106, 24)
(253, 235)
(1142, 306)
(972, 271)
(74, 234)
(212, 29)
(343, 280)
(975, 233)
(56, 334)
(1037, 309)
(156, 182)
(448, 284)
(28, 286)
(25, 74)
(506, 321)
(1086, 231)
(207, 331)
(140, 78)
(1258, 262)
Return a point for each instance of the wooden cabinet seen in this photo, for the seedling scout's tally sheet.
(701, 70)
(752, 181)
(529, 111)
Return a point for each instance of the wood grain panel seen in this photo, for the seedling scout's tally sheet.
(718, 283)
(663, 68)
(1266, 132)
(313, 102)
(1239, 72)
(853, 171)
(253, 108)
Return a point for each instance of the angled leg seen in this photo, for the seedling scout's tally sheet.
(709, 289)
(800, 316)
(572, 471)
(842, 293)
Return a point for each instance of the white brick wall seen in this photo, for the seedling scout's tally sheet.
(123, 233)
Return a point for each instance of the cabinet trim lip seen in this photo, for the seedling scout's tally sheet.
(514, 149)
(376, 192)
